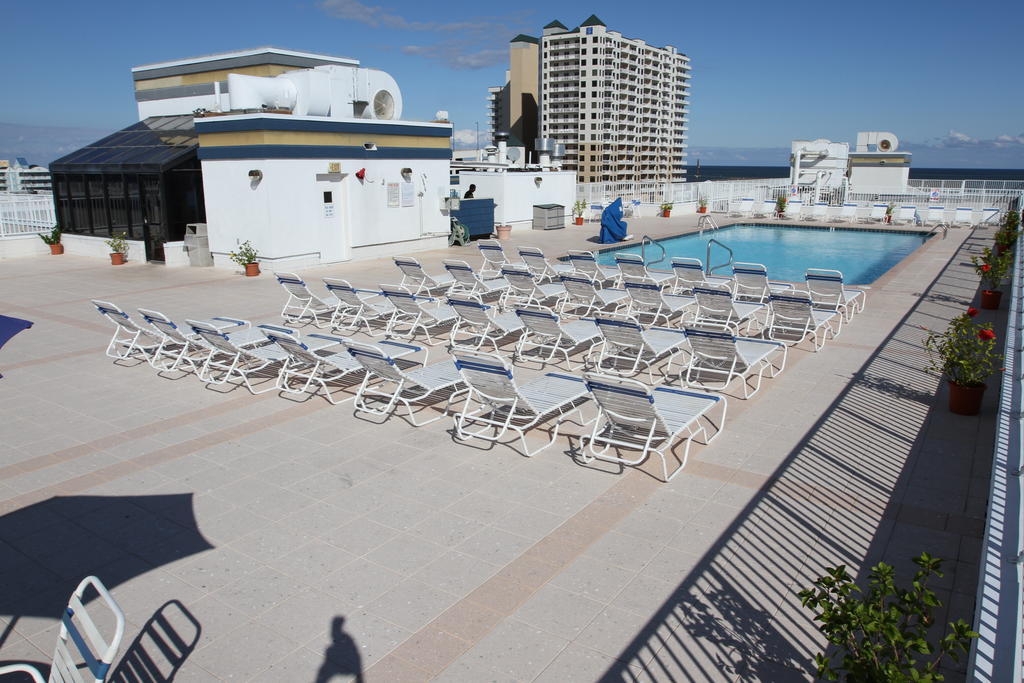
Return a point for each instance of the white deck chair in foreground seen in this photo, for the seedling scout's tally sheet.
(582, 296)
(624, 340)
(416, 280)
(302, 304)
(936, 215)
(905, 214)
(632, 265)
(717, 308)
(647, 298)
(178, 346)
(129, 338)
(963, 216)
(419, 313)
(524, 289)
(227, 360)
(483, 323)
(847, 213)
(718, 358)
(750, 282)
(469, 282)
(541, 267)
(827, 291)
(743, 208)
(358, 307)
(546, 332)
(78, 628)
(876, 214)
(493, 255)
(634, 417)
(405, 387)
(497, 404)
(689, 273)
(585, 263)
(792, 318)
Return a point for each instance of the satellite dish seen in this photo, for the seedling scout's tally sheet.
(513, 154)
(383, 105)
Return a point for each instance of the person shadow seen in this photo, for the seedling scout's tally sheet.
(341, 658)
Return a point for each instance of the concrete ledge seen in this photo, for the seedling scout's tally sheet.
(18, 246)
(87, 245)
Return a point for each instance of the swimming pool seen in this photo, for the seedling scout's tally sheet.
(788, 251)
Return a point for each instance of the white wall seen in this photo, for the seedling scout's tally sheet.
(515, 194)
(85, 245)
(22, 245)
(284, 217)
(891, 178)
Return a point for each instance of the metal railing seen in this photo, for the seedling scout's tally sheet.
(707, 257)
(644, 241)
(996, 655)
(25, 214)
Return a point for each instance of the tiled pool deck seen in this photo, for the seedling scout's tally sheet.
(259, 538)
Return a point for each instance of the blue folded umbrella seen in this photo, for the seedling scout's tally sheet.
(613, 228)
(10, 327)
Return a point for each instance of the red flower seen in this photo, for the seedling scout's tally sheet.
(985, 267)
(972, 311)
(986, 335)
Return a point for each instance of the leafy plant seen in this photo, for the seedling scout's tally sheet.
(578, 208)
(666, 206)
(118, 243)
(991, 268)
(246, 254)
(1011, 220)
(702, 202)
(889, 209)
(966, 352)
(883, 635)
(1006, 237)
(780, 204)
(53, 237)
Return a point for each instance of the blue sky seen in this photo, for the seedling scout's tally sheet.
(944, 77)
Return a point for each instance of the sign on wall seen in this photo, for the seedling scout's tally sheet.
(392, 195)
(408, 194)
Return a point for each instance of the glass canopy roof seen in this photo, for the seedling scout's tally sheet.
(149, 146)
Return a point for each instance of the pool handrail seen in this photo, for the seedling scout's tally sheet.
(643, 250)
(707, 258)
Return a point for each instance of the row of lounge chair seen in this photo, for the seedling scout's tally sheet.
(849, 212)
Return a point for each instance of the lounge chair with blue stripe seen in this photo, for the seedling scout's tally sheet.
(227, 360)
(467, 281)
(483, 322)
(416, 280)
(179, 347)
(541, 267)
(905, 215)
(524, 290)
(545, 332)
(764, 209)
(717, 358)
(129, 338)
(963, 216)
(936, 215)
(585, 263)
(634, 417)
(583, 297)
(827, 291)
(625, 341)
(689, 273)
(647, 298)
(493, 255)
(632, 265)
(795, 207)
(93, 651)
(385, 385)
(358, 307)
(750, 282)
(793, 317)
(717, 308)
(497, 404)
(743, 208)
(818, 213)
(414, 314)
(847, 213)
(302, 305)
(876, 214)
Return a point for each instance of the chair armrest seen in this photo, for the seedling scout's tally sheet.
(401, 349)
(23, 668)
(323, 341)
(368, 291)
(230, 322)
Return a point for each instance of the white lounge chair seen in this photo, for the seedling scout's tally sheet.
(905, 214)
(743, 208)
(794, 207)
(718, 358)
(936, 215)
(750, 282)
(482, 322)
(717, 308)
(227, 360)
(546, 332)
(847, 213)
(302, 303)
(647, 298)
(827, 291)
(632, 265)
(582, 293)
(497, 404)
(179, 346)
(625, 341)
(524, 290)
(634, 417)
(792, 318)
(129, 338)
(417, 281)
(765, 209)
(93, 653)
(358, 307)
(689, 273)
(541, 267)
(493, 255)
(407, 387)
(989, 216)
(963, 216)
(416, 313)
(585, 263)
(819, 212)
(467, 281)
(876, 214)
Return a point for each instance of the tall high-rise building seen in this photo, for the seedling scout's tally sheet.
(618, 104)
(512, 108)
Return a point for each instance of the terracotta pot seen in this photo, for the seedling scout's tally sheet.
(1000, 249)
(702, 209)
(888, 219)
(965, 399)
(579, 220)
(56, 249)
(252, 269)
(116, 259)
(503, 231)
(666, 213)
(990, 299)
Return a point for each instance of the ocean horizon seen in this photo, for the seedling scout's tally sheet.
(709, 172)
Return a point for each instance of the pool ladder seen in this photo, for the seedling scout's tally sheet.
(707, 257)
(706, 222)
(644, 241)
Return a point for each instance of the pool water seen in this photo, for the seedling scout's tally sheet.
(787, 252)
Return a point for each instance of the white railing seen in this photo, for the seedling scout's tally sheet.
(26, 214)
(997, 653)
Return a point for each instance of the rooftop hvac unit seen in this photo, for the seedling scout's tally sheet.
(881, 141)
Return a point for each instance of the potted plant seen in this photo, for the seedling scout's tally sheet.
(966, 354)
(780, 206)
(991, 268)
(246, 257)
(577, 211)
(118, 248)
(1008, 232)
(666, 209)
(702, 205)
(503, 231)
(888, 212)
(53, 239)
